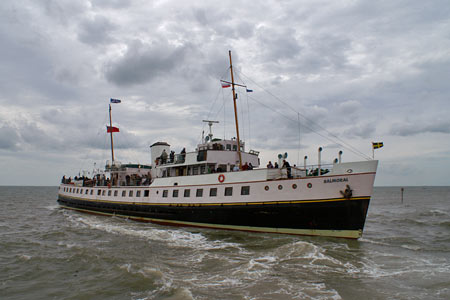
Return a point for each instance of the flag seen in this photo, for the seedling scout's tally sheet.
(249, 91)
(115, 100)
(377, 145)
(112, 129)
(225, 85)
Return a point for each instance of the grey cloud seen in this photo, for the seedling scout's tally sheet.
(97, 30)
(278, 44)
(408, 128)
(143, 62)
(9, 139)
(111, 3)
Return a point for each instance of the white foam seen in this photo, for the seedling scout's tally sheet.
(24, 257)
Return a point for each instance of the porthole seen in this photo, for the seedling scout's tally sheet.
(280, 187)
(294, 186)
(266, 187)
(309, 185)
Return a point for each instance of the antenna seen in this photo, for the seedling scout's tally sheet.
(210, 123)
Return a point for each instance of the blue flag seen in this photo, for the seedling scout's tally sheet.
(115, 100)
(249, 91)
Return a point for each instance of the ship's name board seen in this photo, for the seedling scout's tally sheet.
(333, 180)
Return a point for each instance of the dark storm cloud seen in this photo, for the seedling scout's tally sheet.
(353, 69)
(143, 62)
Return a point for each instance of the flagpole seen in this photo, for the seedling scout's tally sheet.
(111, 132)
(235, 113)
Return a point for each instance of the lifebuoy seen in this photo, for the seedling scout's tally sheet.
(221, 178)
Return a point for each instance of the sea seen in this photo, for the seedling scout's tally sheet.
(50, 253)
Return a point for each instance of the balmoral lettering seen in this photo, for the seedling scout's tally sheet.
(332, 180)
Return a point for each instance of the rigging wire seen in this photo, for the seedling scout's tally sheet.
(294, 121)
(342, 142)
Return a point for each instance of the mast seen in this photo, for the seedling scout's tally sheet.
(235, 114)
(111, 132)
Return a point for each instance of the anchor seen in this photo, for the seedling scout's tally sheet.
(347, 193)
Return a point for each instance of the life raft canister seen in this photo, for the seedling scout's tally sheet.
(221, 178)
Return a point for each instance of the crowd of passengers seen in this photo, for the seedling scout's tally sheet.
(170, 158)
(102, 180)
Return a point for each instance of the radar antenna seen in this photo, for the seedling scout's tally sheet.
(210, 123)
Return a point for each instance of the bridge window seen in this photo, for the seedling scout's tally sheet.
(199, 193)
(175, 193)
(130, 194)
(146, 193)
(187, 193)
(124, 193)
(99, 192)
(109, 193)
(165, 193)
(213, 192)
(138, 193)
(115, 193)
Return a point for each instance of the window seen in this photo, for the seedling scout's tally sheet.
(87, 191)
(175, 193)
(213, 192)
(234, 147)
(187, 193)
(130, 194)
(228, 191)
(228, 147)
(146, 193)
(92, 192)
(245, 190)
(115, 193)
(138, 193)
(165, 193)
(109, 193)
(103, 193)
(99, 192)
(124, 193)
(199, 193)
(78, 190)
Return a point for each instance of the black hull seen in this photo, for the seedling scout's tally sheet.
(331, 217)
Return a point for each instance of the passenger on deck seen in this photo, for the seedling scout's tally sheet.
(276, 165)
(245, 167)
(172, 156)
(269, 165)
(163, 157)
(235, 168)
(288, 167)
(250, 166)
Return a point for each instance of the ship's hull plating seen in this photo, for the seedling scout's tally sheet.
(337, 217)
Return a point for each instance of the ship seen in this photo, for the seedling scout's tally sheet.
(222, 185)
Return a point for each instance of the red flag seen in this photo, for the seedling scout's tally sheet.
(225, 85)
(111, 129)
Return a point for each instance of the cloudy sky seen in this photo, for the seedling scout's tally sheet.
(336, 74)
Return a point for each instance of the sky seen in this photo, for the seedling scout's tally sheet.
(333, 74)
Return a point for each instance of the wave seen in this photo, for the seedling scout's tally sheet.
(178, 237)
